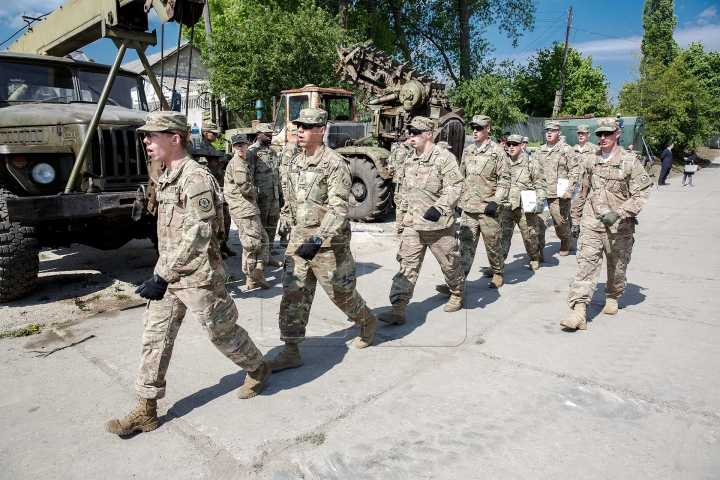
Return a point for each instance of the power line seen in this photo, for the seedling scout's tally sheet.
(23, 28)
(603, 35)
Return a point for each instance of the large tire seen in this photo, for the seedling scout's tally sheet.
(370, 194)
(19, 260)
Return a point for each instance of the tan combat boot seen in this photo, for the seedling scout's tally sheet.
(254, 382)
(496, 282)
(611, 306)
(564, 247)
(274, 262)
(396, 314)
(367, 332)
(288, 358)
(444, 289)
(576, 319)
(534, 264)
(142, 419)
(257, 278)
(455, 303)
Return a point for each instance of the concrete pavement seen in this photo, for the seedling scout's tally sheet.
(498, 389)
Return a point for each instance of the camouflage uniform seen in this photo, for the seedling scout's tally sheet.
(399, 153)
(526, 173)
(289, 151)
(317, 193)
(618, 185)
(263, 162)
(241, 195)
(560, 162)
(217, 168)
(431, 179)
(189, 226)
(487, 179)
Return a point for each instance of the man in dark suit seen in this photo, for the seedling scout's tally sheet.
(666, 159)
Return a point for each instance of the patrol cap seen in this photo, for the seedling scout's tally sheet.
(515, 138)
(423, 124)
(552, 126)
(444, 144)
(526, 139)
(164, 121)
(583, 129)
(239, 138)
(482, 120)
(312, 116)
(264, 128)
(607, 125)
(210, 127)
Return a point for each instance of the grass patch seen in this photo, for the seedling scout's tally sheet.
(479, 341)
(314, 438)
(257, 467)
(80, 304)
(121, 296)
(21, 332)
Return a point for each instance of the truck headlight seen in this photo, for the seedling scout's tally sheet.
(43, 173)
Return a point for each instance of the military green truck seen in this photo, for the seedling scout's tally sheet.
(633, 130)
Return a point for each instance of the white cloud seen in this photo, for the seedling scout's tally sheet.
(707, 16)
(11, 12)
(709, 35)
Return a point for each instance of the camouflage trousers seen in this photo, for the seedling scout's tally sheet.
(471, 226)
(527, 222)
(334, 268)
(254, 242)
(269, 216)
(413, 246)
(227, 223)
(214, 309)
(559, 209)
(590, 248)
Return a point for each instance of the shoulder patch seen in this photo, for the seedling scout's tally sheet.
(200, 198)
(641, 177)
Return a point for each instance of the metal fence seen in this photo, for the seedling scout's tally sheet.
(533, 128)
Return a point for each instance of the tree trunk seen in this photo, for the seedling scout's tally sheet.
(464, 21)
(343, 12)
(372, 10)
(396, 6)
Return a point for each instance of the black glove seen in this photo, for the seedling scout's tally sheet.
(309, 249)
(609, 219)
(153, 289)
(575, 230)
(491, 209)
(433, 214)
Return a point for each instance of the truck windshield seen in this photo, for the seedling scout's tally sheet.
(26, 83)
(127, 91)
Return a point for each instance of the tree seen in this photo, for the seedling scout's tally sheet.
(585, 89)
(659, 21)
(488, 94)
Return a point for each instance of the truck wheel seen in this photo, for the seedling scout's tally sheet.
(19, 261)
(370, 194)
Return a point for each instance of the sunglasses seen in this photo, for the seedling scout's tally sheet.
(151, 135)
(305, 126)
(552, 130)
(477, 128)
(414, 131)
(604, 134)
(512, 144)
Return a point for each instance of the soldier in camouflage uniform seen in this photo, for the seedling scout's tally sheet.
(584, 149)
(613, 189)
(525, 174)
(317, 192)
(558, 161)
(241, 194)
(289, 151)
(264, 164)
(399, 153)
(485, 166)
(190, 274)
(431, 188)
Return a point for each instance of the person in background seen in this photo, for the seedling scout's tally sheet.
(666, 159)
(689, 160)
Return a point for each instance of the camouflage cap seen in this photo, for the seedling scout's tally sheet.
(210, 127)
(482, 120)
(607, 125)
(552, 126)
(264, 128)
(583, 129)
(312, 116)
(444, 144)
(526, 139)
(423, 124)
(240, 138)
(515, 138)
(164, 121)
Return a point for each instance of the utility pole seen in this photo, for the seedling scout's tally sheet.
(208, 41)
(559, 93)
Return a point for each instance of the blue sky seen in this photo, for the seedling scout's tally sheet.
(698, 20)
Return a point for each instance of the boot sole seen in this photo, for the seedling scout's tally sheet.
(262, 383)
(391, 322)
(144, 428)
(287, 366)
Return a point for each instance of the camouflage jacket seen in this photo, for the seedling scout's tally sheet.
(561, 162)
(432, 179)
(189, 227)
(399, 153)
(240, 191)
(588, 151)
(619, 185)
(317, 192)
(289, 151)
(263, 162)
(215, 165)
(487, 176)
(526, 173)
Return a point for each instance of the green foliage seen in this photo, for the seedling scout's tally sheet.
(585, 89)
(21, 332)
(314, 438)
(488, 94)
(659, 21)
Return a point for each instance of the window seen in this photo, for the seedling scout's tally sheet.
(26, 83)
(297, 103)
(280, 117)
(338, 108)
(126, 92)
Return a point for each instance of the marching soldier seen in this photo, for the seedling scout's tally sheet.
(613, 189)
(289, 151)
(399, 153)
(584, 148)
(431, 188)
(317, 193)
(189, 275)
